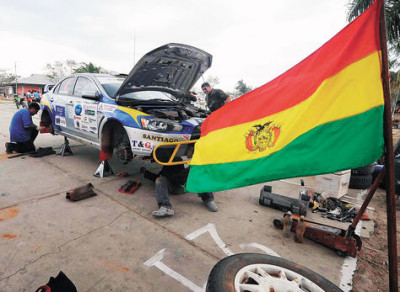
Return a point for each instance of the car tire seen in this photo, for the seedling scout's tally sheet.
(368, 169)
(233, 273)
(122, 146)
(360, 181)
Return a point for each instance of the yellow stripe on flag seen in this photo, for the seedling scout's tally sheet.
(340, 96)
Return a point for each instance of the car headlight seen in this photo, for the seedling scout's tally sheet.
(160, 125)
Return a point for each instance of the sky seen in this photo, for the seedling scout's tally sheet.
(250, 40)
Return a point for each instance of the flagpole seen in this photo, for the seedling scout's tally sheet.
(389, 159)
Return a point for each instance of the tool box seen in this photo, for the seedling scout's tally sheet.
(296, 206)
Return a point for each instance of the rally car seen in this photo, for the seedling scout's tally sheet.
(132, 113)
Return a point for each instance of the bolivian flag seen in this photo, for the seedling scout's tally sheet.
(323, 115)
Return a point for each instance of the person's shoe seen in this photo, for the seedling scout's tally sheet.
(8, 148)
(163, 212)
(211, 206)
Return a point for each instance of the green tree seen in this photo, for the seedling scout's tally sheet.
(88, 67)
(242, 88)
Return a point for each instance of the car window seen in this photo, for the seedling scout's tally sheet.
(57, 88)
(111, 84)
(67, 86)
(83, 84)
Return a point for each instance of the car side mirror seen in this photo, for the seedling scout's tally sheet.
(91, 94)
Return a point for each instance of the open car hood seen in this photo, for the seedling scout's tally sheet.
(172, 68)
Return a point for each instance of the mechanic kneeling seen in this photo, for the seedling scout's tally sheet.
(23, 131)
(172, 180)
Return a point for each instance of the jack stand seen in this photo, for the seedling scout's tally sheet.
(65, 148)
(104, 169)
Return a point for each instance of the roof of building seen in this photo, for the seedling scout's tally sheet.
(37, 79)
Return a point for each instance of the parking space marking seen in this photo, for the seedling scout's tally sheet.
(210, 228)
(156, 262)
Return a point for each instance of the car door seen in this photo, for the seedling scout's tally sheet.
(59, 101)
(85, 108)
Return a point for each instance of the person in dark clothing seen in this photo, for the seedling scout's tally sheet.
(23, 131)
(172, 180)
(215, 98)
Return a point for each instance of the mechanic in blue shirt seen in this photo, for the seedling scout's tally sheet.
(36, 96)
(23, 131)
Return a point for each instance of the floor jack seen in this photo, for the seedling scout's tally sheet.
(345, 243)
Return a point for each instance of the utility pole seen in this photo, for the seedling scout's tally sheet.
(16, 77)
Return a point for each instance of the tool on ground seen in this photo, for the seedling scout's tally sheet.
(65, 148)
(276, 201)
(287, 223)
(300, 229)
(81, 193)
(332, 237)
(43, 152)
(103, 169)
(129, 187)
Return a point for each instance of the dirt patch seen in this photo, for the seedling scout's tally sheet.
(372, 261)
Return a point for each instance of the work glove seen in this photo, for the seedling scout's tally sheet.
(39, 128)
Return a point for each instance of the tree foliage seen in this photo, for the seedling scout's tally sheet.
(58, 69)
(242, 87)
(7, 78)
(212, 80)
(88, 67)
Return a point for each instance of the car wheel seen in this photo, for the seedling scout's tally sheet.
(122, 146)
(259, 272)
(368, 169)
(360, 181)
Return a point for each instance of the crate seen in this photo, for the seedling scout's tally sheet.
(334, 185)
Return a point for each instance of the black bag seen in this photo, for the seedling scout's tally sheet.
(61, 283)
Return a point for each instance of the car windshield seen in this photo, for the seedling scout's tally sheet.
(111, 84)
(148, 95)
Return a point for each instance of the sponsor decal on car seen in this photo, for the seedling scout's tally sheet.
(106, 107)
(90, 112)
(159, 138)
(78, 109)
(60, 111)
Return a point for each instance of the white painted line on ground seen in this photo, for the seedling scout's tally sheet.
(156, 262)
(210, 228)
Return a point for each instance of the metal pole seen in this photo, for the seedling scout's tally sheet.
(16, 82)
(389, 159)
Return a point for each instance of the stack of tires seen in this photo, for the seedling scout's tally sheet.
(361, 177)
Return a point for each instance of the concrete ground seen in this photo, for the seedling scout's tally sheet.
(111, 242)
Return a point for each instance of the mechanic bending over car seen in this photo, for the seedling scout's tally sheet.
(23, 131)
(215, 98)
(172, 180)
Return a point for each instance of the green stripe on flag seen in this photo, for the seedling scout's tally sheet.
(344, 144)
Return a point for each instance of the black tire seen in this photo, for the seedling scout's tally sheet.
(222, 276)
(368, 169)
(360, 181)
